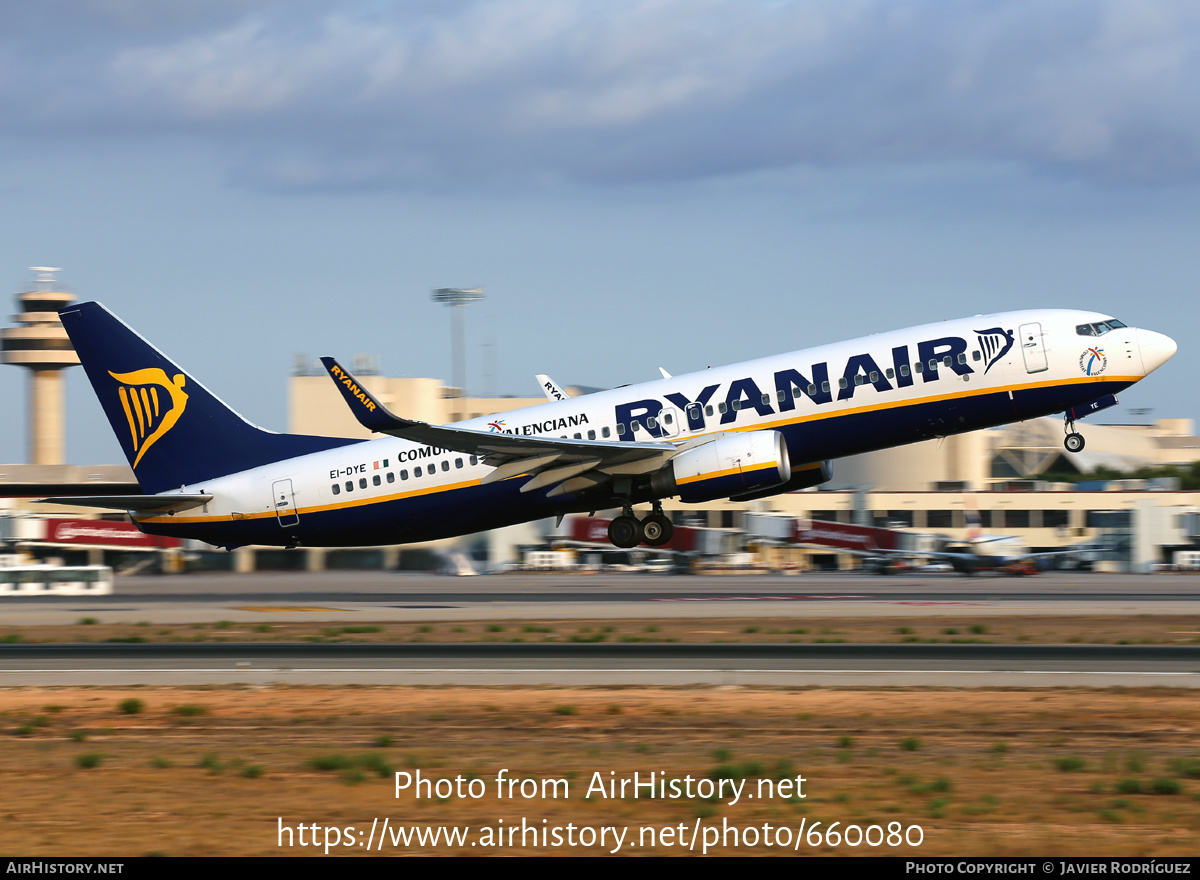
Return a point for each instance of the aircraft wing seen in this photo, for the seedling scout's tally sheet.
(567, 465)
(550, 388)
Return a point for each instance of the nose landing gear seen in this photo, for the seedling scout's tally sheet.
(1073, 441)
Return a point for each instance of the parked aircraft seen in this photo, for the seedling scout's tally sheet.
(744, 431)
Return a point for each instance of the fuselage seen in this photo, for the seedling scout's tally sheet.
(827, 402)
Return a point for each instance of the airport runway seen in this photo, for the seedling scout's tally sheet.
(350, 595)
(575, 664)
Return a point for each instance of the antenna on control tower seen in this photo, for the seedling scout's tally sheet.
(457, 298)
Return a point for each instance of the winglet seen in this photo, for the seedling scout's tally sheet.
(371, 414)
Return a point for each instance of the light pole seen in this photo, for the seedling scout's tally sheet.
(457, 298)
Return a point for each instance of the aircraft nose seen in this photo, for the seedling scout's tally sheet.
(1156, 349)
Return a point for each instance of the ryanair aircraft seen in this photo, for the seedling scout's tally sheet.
(742, 432)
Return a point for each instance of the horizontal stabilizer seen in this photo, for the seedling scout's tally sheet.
(135, 503)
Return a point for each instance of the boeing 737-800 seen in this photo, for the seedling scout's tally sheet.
(744, 431)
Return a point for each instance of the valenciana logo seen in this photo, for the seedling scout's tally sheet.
(150, 414)
(1093, 362)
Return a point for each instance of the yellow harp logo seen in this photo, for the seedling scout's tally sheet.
(150, 414)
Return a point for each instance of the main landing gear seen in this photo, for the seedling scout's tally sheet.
(627, 530)
(1073, 441)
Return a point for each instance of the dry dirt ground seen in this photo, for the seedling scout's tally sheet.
(219, 771)
(980, 628)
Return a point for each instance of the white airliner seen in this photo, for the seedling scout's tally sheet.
(743, 431)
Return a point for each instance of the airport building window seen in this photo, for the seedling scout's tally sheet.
(362, 482)
(376, 480)
(1016, 519)
(904, 517)
(349, 485)
(391, 477)
(337, 490)
(939, 519)
(986, 520)
(1054, 518)
(904, 369)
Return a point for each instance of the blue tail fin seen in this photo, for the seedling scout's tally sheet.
(173, 430)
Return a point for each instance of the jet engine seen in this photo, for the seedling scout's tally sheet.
(736, 464)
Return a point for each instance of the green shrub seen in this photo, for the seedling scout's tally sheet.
(132, 706)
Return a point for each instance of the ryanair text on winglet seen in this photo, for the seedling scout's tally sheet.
(340, 375)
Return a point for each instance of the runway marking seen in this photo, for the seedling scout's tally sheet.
(914, 602)
(268, 609)
(745, 598)
(590, 670)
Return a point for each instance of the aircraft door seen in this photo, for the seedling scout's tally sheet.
(1033, 348)
(669, 420)
(284, 502)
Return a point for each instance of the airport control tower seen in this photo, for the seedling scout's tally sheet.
(40, 344)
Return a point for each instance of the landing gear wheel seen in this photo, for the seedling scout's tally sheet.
(657, 530)
(1074, 442)
(625, 532)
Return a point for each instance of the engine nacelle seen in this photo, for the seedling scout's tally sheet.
(803, 477)
(733, 465)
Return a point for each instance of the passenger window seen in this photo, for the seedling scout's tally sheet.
(604, 432)
(737, 404)
(391, 477)
(376, 481)
(918, 367)
(458, 462)
(842, 383)
(874, 376)
(651, 424)
(362, 482)
(858, 379)
(708, 410)
(349, 485)
(416, 471)
(780, 397)
(948, 361)
(962, 358)
(578, 436)
(825, 386)
(812, 390)
(975, 355)
(337, 490)
(722, 408)
(766, 399)
(668, 419)
(446, 465)
(891, 374)
(620, 429)
(474, 460)
(404, 475)
(904, 371)
(591, 435)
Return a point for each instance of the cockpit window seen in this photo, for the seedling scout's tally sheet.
(1099, 328)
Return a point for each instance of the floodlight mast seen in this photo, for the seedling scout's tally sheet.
(457, 298)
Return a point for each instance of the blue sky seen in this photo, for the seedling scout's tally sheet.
(674, 182)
